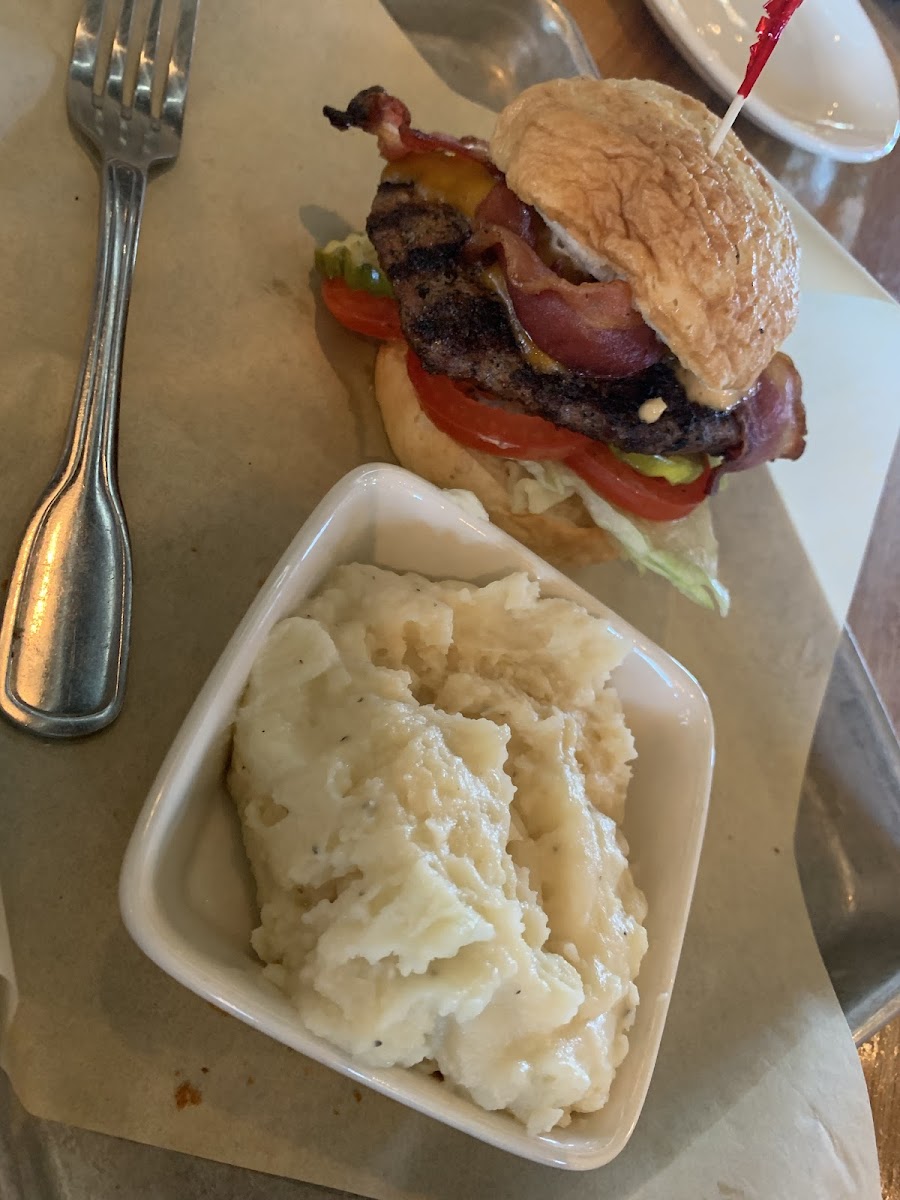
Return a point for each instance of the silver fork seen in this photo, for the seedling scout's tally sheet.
(65, 631)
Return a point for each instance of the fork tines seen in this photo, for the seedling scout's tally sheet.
(128, 76)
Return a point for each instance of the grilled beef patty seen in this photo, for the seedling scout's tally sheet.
(459, 327)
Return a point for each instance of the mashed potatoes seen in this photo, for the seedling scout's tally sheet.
(429, 777)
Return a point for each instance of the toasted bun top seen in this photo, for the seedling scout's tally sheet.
(708, 248)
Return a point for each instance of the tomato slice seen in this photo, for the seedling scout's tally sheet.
(483, 427)
(643, 495)
(513, 435)
(375, 316)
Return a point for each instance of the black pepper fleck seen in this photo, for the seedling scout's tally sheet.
(377, 1043)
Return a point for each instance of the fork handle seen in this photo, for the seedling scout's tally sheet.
(65, 631)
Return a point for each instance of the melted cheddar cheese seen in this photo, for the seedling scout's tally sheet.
(451, 179)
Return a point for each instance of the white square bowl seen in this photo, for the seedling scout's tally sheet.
(186, 894)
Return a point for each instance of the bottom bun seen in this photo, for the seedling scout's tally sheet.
(564, 535)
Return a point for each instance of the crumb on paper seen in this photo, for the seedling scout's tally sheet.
(279, 287)
(186, 1094)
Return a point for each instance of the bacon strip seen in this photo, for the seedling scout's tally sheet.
(375, 111)
(771, 420)
(502, 208)
(585, 326)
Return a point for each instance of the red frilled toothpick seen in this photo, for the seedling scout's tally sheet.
(770, 28)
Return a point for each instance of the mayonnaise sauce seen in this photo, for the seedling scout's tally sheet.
(701, 393)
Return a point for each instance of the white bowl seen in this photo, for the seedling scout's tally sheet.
(190, 907)
(829, 86)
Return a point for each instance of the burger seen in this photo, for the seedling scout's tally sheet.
(580, 320)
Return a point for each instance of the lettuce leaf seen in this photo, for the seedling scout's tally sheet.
(685, 552)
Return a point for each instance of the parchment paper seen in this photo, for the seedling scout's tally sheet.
(242, 405)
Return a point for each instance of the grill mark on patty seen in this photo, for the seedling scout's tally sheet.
(433, 260)
(459, 327)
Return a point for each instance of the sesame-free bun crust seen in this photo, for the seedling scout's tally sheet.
(564, 535)
(708, 248)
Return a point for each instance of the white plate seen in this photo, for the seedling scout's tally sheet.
(186, 894)
(848, 324)
(828, 87)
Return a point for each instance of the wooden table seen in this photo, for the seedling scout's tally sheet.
(860, 206)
